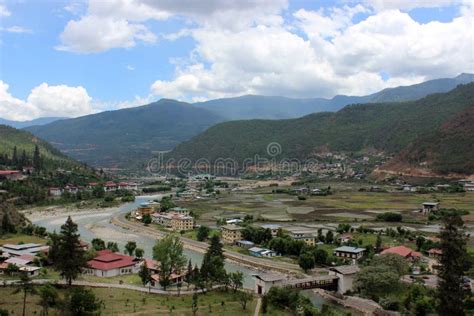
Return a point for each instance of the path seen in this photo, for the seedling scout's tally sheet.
(257, 308)
(110, 285)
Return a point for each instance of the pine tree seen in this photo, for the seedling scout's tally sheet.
(37, 159)
(454, 263)
(14, 157)
(212, 268)
(144, 274)
(71, 257)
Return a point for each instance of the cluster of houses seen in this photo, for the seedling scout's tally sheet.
(468, 186)
(108, 186)
(176, 218)
(15, 175)
(20, 258)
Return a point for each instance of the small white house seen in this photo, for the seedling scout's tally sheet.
(346, 276)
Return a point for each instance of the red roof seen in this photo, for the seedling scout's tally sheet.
(108, 260)
(402, 251)
(8, 172)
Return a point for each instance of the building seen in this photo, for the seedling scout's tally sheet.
(273, 228)
(346, 276)
(347, 252)
(23, 263)
(307, 237)
(264, 281)
(435, 253)
(110, 264)
(469, 187)
(234, 221)
(55, 191)
(182, 222)
(18, 250)
(180, 210)
(344, 238)
(144, 208)
(12, 175)
(262, 252)
(403, 251)
(245, 244)
(428, 207)
(408, 188)
(231, 233)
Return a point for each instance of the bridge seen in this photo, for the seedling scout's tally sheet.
(265, 281)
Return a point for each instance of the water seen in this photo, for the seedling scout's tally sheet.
(98, 225)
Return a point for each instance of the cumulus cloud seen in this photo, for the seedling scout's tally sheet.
(321, 53)
(45, 100)
(408, 5)
(4, 11)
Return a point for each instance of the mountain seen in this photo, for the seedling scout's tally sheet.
(389, 127)
(23, 124)
(123, 137)
(273, 107)
(25, 141)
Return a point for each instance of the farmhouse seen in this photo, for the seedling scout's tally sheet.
(231, 233)
(403, 251)
(109, 264)
(18, 250)
(347, 252)
(55, 191)
(245, 244)
(427, 207)
(346, 276)
(273, 228)
(175, 221)
(305, 236)
(12, 175)
(435, 253)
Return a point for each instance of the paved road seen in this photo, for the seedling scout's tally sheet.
(202, 247)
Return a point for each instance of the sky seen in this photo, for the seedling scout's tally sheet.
(70, 58)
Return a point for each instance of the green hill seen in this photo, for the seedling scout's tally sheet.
(389, 127)
(123, 137)
(25, 142)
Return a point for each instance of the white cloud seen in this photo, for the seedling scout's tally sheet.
(15, 29)
(45, 100)
(408, 5)
(93, 34)
(4, 12)
(130, 67)
(334, 55)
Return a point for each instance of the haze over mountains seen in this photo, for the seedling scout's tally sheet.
(24, 124)
(123, 137)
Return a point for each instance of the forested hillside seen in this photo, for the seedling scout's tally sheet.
(389, 127)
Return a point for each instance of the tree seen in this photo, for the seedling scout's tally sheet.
(378, 243)
(212, 268)
(37, 159)
(113, 246)
(82, 301)
(146, 219)
(395, 262)
(320, 256)
(189, 273)
(329, 237)
(194, 306)
(454, 262)
(144, 274)
(236, 280)
(130, 247)
(244, 297)
(49, 298)
(376, 281)
(420, 240)
(26, 287)
(169, 252)
(15, 156)
(7, 226)
(53, 243)
(306, 261)
(139, 252)
(98, 244)
(70, 256)
(202, 233)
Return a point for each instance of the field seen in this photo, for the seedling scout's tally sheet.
(125, 302)
(346, 204)
(20, 238)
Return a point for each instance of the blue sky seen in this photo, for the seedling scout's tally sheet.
(74, 57)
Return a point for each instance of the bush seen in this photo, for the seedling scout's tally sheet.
(390, 217)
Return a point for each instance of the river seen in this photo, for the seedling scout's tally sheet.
(97, 225)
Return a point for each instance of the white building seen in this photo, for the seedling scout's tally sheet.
(346, 276)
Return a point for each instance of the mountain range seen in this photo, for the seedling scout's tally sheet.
(23, 124)
(125, 137)
(435, 131)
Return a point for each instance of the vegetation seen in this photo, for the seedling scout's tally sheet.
(390, 217)
(390, 127)
(169, 253)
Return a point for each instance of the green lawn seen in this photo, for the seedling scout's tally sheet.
(125, 302)
(20, 238)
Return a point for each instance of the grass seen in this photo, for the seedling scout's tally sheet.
(131, 279)
(20, 238)
(126, 302)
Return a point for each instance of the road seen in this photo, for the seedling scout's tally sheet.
(266, 264)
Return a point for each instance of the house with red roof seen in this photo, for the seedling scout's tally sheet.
(12, 175)
(435, 253)
(403, 251)
(109, 264)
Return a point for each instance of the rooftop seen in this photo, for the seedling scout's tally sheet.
(402, 251)
(269, 277)
(232, 227)
(108, 260)
(348, 269)
(349, 249)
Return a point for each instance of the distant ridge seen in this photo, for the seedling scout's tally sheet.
(274, 107)
(38, 121)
